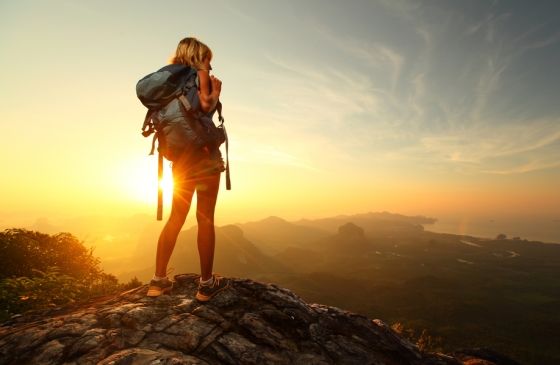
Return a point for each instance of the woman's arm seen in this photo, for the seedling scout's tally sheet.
(209, 90)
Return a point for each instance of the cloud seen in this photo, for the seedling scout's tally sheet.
(319, 96)
(267, 154)
(237, 12)
(496, 149)
(530, 39)
(524, 168)
(376, 55)
(544, 42)
(434, 104)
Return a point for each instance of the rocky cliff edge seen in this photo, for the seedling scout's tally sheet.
(248, 323)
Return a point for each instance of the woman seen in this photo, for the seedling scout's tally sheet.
(198, 172)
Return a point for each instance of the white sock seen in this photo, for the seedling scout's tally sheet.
(157, 278)
(207, 282)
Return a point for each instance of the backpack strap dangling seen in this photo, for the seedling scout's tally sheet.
(219, 110)
(153, 144)
(160, 187)
(222, 120)
(228, 179)
(148, 126)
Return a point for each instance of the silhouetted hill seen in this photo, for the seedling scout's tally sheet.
(503, 291)
(470, 291)
(273, 234)
(372, 223)
(249, 323)
(234, 255)
(350, 240)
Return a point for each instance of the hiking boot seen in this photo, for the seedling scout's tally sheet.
(159, 287)
(205, 292)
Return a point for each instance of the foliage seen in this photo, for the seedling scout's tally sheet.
(424, 341)
(133, 283)
(23, 251)
(39, 271)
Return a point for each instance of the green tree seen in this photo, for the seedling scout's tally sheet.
(39, 271)
(22, 251)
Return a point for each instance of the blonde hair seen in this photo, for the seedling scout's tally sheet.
(191, 52)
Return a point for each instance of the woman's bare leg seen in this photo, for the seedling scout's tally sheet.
(182, 197)
(206, 195)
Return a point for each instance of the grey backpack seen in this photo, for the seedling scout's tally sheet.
(175, 118)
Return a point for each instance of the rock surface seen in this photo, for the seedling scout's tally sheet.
(248, 323)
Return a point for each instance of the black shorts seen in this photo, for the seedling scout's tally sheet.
(187, 170)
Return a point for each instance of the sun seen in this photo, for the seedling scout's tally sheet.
(166, 183)
(140, 181)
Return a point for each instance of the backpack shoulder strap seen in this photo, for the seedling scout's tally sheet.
(219, 110)
(222, 120)
(148, 126)
(228, 179)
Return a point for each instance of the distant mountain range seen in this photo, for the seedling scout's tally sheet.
(502, 293)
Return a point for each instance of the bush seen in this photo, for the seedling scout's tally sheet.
(424, 341)
(45, 289)
(23, 251)
(39, 271)
(133, 283)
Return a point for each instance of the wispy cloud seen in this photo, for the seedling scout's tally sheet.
(533, 39)
(237, 12)
(487, 25)
(267, 154)
(434, 104)
(544, 42)
(378, 56)
(320, 96)
(524, 168)
(485, 149)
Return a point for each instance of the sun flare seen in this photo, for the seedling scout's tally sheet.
(140, 181)
(166, 183)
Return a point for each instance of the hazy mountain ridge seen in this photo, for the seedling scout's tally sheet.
(273, 233)
(504, 287)
(369, 221)
(121, 241)
(504, 291)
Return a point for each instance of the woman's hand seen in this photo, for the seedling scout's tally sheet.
(209, 91)
(216, 85)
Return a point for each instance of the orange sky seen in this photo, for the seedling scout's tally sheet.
(325, 117)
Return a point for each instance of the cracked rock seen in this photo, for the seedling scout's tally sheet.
(248, 323)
